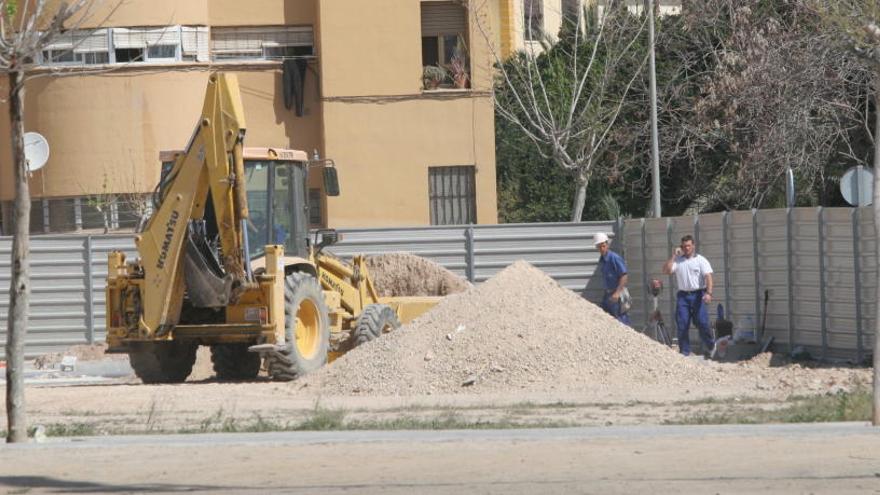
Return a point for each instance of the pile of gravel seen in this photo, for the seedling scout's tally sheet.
(518, 330)
(404, 274)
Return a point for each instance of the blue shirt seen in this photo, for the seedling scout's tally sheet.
(613, 268)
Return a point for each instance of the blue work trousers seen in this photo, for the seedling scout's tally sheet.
(689, 307)
(613, 309)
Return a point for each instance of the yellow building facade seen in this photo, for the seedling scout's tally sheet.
(341, 78)
(525, 23)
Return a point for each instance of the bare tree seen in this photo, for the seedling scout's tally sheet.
(565, 95)
(780, 95)
(858, 21)
(26, 27)
(108, 201)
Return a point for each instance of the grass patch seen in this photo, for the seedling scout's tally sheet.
(323, 419)
(64, 430)
(449, 421)
(843, 406)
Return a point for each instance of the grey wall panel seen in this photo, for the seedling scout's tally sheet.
(68, 292)
(638, 277)
(59, 308)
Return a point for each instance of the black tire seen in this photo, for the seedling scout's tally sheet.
(234, 362)
(163, 362)
(303, 298)
(375, 320)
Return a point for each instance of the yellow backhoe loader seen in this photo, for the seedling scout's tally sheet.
(227, 261)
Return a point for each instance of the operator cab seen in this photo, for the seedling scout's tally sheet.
(277, 195)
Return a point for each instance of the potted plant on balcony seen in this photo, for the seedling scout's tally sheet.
(458, 66)
(433, 76)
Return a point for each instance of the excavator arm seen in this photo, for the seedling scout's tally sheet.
(172, 252)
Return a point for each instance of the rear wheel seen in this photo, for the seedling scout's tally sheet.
(163, 362)
(307, 329)
(234, 362)
(375, 320)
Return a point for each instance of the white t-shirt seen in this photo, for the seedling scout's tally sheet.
(690, 273)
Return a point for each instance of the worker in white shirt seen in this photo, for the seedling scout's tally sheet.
(693, 277)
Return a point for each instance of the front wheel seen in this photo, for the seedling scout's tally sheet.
(307, 329)
(375, 320)
(163, 362)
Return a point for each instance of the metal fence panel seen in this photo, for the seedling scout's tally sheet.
(868, 279)
(840, 285)
(564, 251)
(820, 267)
(58, 304)
(638, 271)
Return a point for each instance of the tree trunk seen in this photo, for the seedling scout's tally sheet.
(580, 198)
(876, 415)
(19, 292)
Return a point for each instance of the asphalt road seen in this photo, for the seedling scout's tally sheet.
(816, 458)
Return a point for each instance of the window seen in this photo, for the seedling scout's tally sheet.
(128, 45)
(533, 19)
(444, 26)
(315, 206)
(452, 195)
(262, 43)
(444, 42)
(126, 55)
(38, 217)
(167, 52)
(78, 48)
(59, 56)
(62, 215)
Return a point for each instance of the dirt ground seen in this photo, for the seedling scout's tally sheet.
(127, 406)
(481, 356)
(817, 459)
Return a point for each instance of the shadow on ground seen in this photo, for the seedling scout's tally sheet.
(55, 485)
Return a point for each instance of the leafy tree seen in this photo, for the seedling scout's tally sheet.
(858, 23)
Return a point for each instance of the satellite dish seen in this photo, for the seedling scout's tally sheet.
(857, 186)
(36, 150)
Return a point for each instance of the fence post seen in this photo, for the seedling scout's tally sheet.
(620, 240)
(697, 233)
(789, 238)
(725, 256)
(645, 288)
(669, 280)
(857, 279)
(90, 304)
(823, 312)
(469, 254)
(757, 265)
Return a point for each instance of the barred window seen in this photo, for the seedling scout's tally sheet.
(452, 195)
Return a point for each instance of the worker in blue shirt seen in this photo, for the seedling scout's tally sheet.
(614, 278)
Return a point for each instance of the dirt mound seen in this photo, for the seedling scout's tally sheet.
(404, 274)
(83, 352)
(518, 330)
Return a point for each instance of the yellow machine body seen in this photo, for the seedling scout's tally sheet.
(295, 312)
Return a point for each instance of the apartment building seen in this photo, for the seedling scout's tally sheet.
(342, 79)
(525, 23)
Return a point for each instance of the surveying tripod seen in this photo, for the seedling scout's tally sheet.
(655, 328)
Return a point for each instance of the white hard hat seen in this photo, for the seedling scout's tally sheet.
(599, 238)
